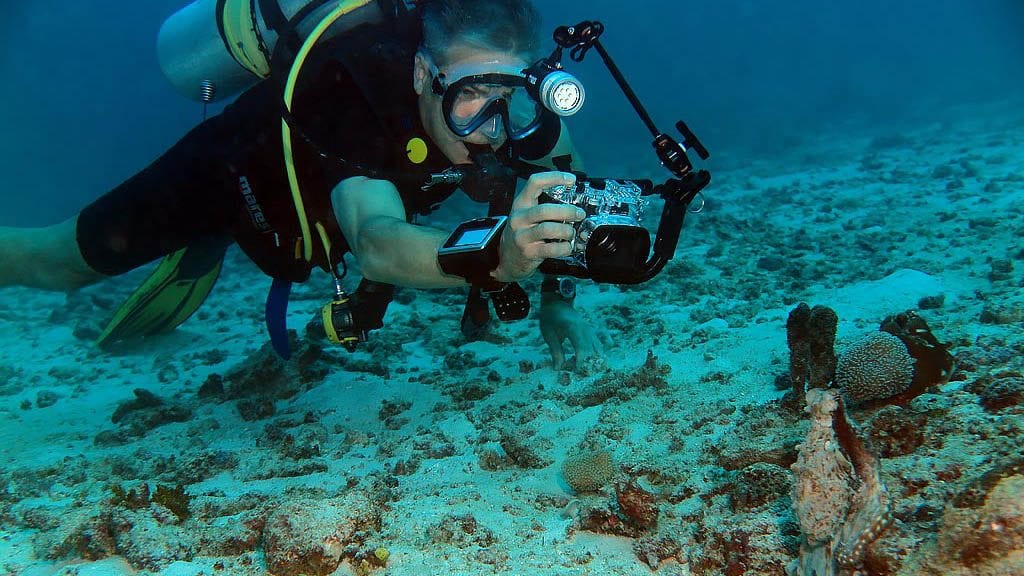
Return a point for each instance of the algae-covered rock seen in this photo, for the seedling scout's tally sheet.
(312, 536)
(982, 530)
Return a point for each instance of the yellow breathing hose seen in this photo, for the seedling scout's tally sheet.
(326, 241)
(286, 134)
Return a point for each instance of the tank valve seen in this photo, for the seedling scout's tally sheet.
(207, 92)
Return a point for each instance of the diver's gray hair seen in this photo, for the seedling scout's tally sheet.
(500, 25)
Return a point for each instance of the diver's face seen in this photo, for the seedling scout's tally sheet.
(491, 132)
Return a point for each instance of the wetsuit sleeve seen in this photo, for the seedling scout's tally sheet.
(186, 194)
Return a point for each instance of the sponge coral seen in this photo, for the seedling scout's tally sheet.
(875, 367)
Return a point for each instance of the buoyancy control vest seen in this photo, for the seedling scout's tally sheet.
(356, 115)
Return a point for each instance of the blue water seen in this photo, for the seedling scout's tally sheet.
(921, 208)
(84, 105)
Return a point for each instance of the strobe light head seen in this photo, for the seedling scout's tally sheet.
(562, 93)
(555, 89)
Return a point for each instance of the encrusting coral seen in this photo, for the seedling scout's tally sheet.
(988, 539)
(981, 532)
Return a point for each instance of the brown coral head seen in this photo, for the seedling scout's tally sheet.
(876, 367)
(588, 470)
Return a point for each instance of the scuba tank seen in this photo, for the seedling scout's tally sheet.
(213, 49)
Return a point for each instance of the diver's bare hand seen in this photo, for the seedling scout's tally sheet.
(560, 321)
(536, 231)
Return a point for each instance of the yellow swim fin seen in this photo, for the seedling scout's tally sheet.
(171, 293)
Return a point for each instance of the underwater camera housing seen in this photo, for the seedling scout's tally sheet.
(611, 245)
(610, 240)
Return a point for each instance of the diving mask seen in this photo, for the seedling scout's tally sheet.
(495, 97)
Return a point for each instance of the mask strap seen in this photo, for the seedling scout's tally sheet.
(437, 85)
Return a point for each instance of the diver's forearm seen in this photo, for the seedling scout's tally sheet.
(396, 252)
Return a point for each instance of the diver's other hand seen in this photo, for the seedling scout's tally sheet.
(536, 231)
(559, 322)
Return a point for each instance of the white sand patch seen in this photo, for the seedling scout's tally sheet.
(871, 301)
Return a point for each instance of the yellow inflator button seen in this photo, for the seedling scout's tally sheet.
(417, 150)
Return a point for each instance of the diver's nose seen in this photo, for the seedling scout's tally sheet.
(493, 128)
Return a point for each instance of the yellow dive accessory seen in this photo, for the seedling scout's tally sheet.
(338, 323)
(416, 149)
(286, 132)
(172, 292)
(242, 37)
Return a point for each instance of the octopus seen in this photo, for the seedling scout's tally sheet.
(838, 497)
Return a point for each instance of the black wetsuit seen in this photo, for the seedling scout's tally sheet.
(227, 175)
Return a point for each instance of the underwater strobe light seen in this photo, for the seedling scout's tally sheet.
(562, 93)
(556, 89)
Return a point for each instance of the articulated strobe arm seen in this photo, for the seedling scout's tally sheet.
(678, 192)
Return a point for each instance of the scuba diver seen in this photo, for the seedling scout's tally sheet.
(346, 141)
(364, 116)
